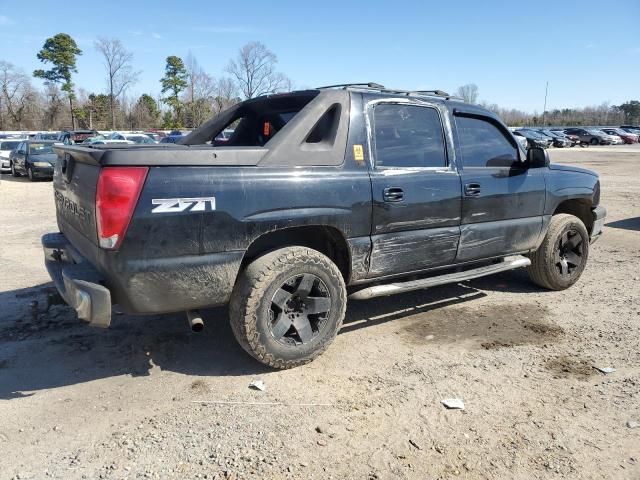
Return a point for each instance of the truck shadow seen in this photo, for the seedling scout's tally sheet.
(632, 224)
(44, 348)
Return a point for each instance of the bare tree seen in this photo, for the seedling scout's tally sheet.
(469, 92)
(254, 70)
(120, 73)
(17, 93)
(52, 106)
(226, 95)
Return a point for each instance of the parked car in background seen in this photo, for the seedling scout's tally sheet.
(34, 158)
(558, 140)
(47, 136)
(71, 137)
(137, 138)
(6, 146)
(625, 136)
(171, 138)
(615, 138)
(108, 141)
(590, 136)
(153, 136)
(534, 139)
(224, 136)
(522, 141)
(632, 131)
(572, 139)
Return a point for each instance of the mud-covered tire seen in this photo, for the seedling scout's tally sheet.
(254, 312)
(561, 258)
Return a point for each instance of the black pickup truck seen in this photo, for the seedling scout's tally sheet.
(350, 191)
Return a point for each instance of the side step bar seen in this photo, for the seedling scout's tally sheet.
(508, 263)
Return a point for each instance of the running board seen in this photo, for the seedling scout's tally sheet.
(508, 263)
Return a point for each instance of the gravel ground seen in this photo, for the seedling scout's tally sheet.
(144, 398)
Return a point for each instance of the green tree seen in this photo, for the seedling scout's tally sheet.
(173, 83)
(631, 110)
(98, 107)
(60, 51)
(145, 113)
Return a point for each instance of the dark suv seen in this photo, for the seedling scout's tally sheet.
(592, 137)
(321, 195)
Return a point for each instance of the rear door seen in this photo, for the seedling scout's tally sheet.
(502, 200)
(416, 190)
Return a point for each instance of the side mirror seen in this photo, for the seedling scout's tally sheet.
(537, 158)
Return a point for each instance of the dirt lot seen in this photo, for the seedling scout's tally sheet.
(128, 402)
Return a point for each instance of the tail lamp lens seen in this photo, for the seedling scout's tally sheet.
(116, 198)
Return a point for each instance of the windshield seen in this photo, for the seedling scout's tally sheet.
(139, 139)
(9, 145)
(40, 148)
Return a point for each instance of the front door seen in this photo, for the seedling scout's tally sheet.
(20, 156)
(416, 192)
(502, 200)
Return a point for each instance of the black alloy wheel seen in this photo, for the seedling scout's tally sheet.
(299, 309)
(569, 253)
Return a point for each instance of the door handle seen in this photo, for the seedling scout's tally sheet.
(472, 189)
(393, 194)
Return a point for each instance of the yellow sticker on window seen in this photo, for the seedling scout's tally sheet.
(358, 153)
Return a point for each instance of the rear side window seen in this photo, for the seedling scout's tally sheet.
(483, 144)
(408, 136)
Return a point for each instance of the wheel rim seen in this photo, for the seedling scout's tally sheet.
(299, 310)
(569, 253)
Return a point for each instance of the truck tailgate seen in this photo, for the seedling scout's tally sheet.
(74, 184)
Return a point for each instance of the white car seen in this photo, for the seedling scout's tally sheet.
(138, 138)
(6, 146)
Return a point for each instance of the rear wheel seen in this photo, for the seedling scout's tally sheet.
(287, 306)
(561, 258)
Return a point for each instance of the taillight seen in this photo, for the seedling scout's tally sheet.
(116, 198)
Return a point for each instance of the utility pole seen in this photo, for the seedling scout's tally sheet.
(544, 110)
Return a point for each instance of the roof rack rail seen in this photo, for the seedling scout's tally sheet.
(383, 89)
(438, 93)
(374, 85)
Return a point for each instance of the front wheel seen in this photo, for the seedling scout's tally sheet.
(13, 170)
(594, 141)
(30, 174)
(287, 306)
(561, 258)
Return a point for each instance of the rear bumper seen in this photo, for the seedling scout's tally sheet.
(599, 214)
(137, 286)
(79, 283)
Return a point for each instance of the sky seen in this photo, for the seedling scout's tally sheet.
(588, 51)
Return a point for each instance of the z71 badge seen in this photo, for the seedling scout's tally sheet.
(173, 205)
